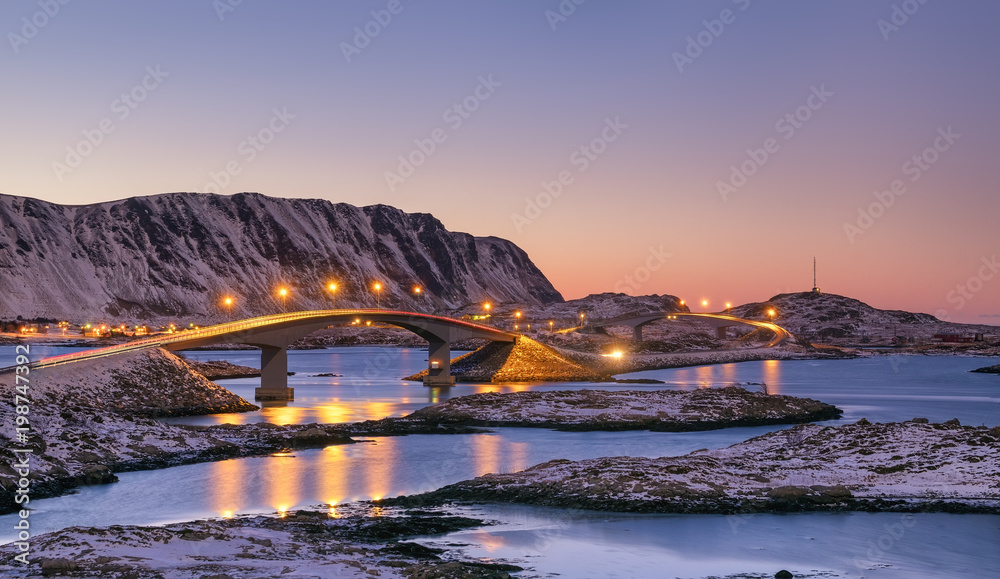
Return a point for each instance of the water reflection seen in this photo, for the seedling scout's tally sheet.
(335, 475)
(225, 492)
(772, 376)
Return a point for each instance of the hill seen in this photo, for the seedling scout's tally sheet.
(176, 255)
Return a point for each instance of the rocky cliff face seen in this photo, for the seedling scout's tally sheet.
(177, 255)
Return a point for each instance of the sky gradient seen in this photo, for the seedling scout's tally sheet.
(706, 170)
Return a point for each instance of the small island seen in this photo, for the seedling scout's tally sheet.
(908, 466)
(656, 410)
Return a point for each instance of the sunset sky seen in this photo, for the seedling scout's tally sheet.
(646, 110)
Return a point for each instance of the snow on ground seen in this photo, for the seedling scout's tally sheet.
(350, 541)
(90, 419)
(861, 466)
(605, 409)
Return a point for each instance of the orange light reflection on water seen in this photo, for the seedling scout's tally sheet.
(283, 480)
(380, 467)
(772, 376)
(486, 453)
(502, 388)
(224, 493)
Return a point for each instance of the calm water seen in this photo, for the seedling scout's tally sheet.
(575, 544)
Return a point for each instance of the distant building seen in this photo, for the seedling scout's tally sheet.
(954, 338)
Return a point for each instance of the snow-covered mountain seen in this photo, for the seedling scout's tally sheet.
(178, 255)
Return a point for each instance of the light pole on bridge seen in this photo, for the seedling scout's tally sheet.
(332, 288)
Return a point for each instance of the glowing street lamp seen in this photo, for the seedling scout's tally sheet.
(332, 288)
(551, 329)
(283, 294)
(378, 295)
(582, 316)
(729, 306)
(417, 292)
(228, 302)
(771, 313)
(704, 303)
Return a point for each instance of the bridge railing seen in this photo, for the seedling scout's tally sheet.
(234, 327)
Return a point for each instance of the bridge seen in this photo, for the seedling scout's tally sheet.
(273, 334)
(720, 322)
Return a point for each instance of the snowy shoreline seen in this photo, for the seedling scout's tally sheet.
(909, 466)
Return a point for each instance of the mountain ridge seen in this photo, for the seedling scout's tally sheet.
(177, 254)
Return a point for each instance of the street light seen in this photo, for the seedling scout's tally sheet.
(417, 291)
(582, 316)
(551, 329)
(704, 303)
(283, 294)
(228, 302)
(771, 313)
(332, 288)
(378, 295)
(517, 319)
(729, 306)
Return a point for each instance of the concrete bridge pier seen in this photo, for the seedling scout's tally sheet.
(274, 374)
(438, 364)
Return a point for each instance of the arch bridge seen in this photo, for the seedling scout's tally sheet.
(273, 334)
(720, 322)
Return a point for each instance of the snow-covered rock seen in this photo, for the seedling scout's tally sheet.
(658, 410)
(175, 255)
(862, 466)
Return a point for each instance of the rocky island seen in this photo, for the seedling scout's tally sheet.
(910, 466)
(360, 540)
(657, 410)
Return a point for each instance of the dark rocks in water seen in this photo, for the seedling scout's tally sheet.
(783, 574)
(221, 369)
(988, 370)
(98, 474)
(456, 570)
(920, 420)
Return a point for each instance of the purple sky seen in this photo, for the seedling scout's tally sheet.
(496, 102)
